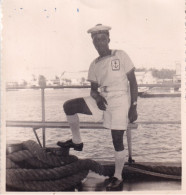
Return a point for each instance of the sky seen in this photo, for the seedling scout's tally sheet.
(50, 36)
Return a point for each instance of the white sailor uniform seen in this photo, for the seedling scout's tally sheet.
(110, 73)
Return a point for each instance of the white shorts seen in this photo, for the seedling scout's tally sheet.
(116, 115)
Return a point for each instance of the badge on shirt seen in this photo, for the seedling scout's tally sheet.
(115, 64)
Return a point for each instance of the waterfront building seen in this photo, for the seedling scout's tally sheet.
(145, 77)
(177, 76)
(74, 78)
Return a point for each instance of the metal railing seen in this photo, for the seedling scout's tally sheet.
(171, 85)
(46, 124)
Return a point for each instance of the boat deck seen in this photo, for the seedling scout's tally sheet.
(95, 182)
(137, 181)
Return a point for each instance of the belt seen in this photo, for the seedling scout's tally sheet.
(107, 89)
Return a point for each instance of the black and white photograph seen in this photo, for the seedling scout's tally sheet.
(92, 96)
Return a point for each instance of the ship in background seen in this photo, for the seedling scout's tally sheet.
(150, 86)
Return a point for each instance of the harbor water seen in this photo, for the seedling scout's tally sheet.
(150, 142)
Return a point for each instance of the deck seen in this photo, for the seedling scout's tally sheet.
(134, 180)
(139, 182)
(96, 182)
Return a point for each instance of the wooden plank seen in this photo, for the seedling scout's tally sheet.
(62, 124)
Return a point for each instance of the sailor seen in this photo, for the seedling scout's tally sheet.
(113, 98)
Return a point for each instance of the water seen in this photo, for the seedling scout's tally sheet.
(160, 142)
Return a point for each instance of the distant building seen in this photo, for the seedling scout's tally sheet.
(12, 84)
(177, 76)
(74, 78)
(145, 77)
(33, 83)
(21, 83)
(49, 82)
(139, 77)
(53, 82)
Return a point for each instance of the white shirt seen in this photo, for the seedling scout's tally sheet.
(110, 72)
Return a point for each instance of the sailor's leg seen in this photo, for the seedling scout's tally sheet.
(73, 121)
(117, 138)
(71, 108)
(116, 182)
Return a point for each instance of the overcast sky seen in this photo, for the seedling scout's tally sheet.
(50, 36)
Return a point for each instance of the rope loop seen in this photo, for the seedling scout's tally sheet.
(35, 169)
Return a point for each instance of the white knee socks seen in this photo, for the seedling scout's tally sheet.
(73, 121)
(119, 163)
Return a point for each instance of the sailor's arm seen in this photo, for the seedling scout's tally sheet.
(134, 95)
(100, 100)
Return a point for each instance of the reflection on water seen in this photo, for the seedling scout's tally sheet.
(150, 142)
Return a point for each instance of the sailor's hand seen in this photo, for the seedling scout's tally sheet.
(132, 114)
(101, 102)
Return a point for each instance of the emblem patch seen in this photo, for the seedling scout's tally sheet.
(115, 64)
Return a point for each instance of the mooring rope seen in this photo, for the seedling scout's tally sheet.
(10, 164)
(42, 155)
(62, 184)
(34, 169)
(58, 172)
(20, 155)
(156, 174)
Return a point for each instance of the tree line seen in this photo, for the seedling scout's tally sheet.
(160, 74)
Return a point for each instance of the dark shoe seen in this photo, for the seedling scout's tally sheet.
(107, 180)
(70, 144)
(115, 185)
(130, 160)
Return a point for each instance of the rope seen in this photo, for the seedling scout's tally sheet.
(20, 155)
(32, 160)
(58, 172)
(47, 158)
(159, 152)
(175, 171)
(63, 184)
(10, 164)
(35, 169)
(162, 175)
(48, 170)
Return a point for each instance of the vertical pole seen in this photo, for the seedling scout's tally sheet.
(43, 113)
(129, 142)
(34, 130)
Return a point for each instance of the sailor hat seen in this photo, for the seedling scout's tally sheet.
(99, 28)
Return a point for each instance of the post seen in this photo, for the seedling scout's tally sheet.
(42, 84)
(129, 142)
(43, 113)
(34, 130)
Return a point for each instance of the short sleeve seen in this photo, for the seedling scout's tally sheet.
(128, 64)
(91, 73)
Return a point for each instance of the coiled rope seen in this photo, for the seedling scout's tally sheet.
(34, 169)
(155, 174)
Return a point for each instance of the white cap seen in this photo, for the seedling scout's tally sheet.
(98, 29)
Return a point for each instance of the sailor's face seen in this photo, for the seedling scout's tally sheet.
(101, 42)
